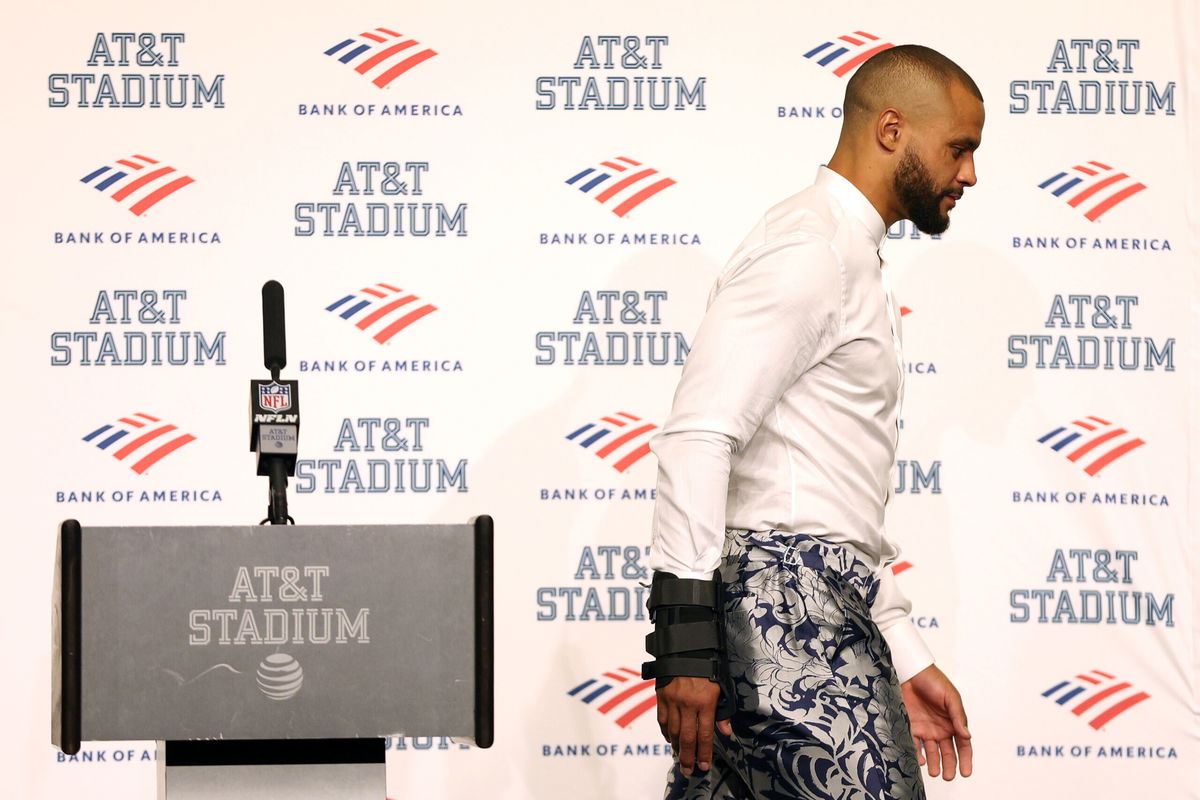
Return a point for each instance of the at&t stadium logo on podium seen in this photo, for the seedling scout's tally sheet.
(1111, 707)
(385, 58)
(280, 676)
(838, 56)
(139, 441)
(388, 316)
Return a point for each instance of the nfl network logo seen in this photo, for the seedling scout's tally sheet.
(274, 396)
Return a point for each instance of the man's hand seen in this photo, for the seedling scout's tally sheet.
(939, 724)
(687, 709)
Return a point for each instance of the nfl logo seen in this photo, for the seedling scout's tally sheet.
(274, 396)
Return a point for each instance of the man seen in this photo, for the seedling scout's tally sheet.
(774, 469)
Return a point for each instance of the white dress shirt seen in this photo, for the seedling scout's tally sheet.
(787, 413)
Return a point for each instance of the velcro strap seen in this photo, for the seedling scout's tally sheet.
(682, 592)
(683, 636)
(675, 667)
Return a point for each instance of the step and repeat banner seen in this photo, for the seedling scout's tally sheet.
(497, 226)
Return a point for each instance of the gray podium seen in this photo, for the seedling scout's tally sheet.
(269, 661)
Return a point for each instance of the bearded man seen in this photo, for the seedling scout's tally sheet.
(775, 607)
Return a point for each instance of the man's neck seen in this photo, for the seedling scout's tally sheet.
(871, 181)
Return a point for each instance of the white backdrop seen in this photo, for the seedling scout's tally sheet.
(1035, 569)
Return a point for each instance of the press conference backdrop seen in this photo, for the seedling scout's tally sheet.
(497, 225)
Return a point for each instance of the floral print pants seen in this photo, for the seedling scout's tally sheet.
(820, 715)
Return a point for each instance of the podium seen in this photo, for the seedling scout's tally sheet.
(269, 661)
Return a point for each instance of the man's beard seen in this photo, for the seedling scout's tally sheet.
(922, 201)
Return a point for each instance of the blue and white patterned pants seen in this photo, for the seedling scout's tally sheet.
(820, 714)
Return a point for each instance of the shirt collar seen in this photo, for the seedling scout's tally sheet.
(850, 198)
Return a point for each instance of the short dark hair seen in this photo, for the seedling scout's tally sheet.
(880, 75)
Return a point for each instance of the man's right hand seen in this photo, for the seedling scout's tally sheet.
(687, 709)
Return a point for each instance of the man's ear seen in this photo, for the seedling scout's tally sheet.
(887, 129)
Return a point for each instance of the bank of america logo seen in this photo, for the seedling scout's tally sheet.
(382, 55)
(632, 183)
(139, 440)
(629, 442)
(1094, 188)
(620, 694)
(1092, 442)
(381, 310)
(845, 53)
(1096, 697)
(139, 182)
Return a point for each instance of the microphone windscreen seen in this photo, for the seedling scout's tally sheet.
(274, 329)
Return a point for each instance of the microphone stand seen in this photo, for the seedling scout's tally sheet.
(274, 433)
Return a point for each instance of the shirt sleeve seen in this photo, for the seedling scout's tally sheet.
(891, 611)
(773, 315)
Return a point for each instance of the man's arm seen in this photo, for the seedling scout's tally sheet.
(935, 708)
(891, 610)
(774, 315)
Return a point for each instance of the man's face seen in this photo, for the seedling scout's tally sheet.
(939, 163)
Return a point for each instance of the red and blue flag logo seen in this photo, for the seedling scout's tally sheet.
(1094, 188)
(141, 438)
(629, 444)
(620, 693)
(138, 182)
(1091, 441)
(843, 54)
(633, 183)
(1096, 697)
(382, 55)
(381, 310)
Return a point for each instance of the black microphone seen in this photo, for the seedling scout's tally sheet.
(274, 328)
(275, 408)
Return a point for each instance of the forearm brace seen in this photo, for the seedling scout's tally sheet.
(688, 639)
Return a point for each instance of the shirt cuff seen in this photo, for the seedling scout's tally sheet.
(910, 654)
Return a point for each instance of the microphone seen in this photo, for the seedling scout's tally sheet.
(275, 408)
(274, 328)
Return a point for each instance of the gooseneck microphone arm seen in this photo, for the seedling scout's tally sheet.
(275, 409)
